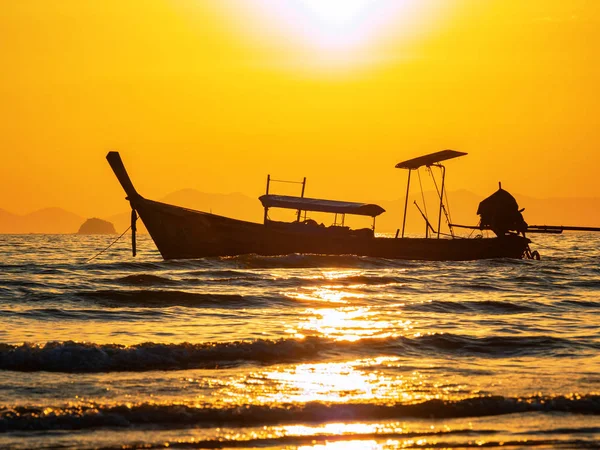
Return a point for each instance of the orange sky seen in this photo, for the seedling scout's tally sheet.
(214, 95)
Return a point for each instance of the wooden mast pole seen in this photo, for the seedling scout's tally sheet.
(406, 202)
(302, 196)
(267, 193)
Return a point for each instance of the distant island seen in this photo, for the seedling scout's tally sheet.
(97, 226)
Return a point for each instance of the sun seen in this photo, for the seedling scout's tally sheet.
(336, 13)
(331, 30)
(335, 24)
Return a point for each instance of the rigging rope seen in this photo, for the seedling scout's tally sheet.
(422, 193)
(111, 244)
(434, 181)
(447, 207)
(446, 211)
(473, 230)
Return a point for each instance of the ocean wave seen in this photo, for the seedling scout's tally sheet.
(505, 346)
(165, 298)
(304, 261)
(124, 266)
(487, 307)
(430, 440)
(484, 286)
(143, 279)
(592, 284)
(407, 440)
(46, 269)
(24, 283)
(75, 357)
(154, 298)
(253, 261)
(93, 415)
(238, 280)
(148, 265)
(220, 274)
(247, 279)
(101, 314)
(369, 280)
(583, 304)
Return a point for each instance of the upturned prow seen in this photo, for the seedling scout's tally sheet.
(114, 159)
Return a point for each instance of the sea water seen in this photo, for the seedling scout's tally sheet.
(297, 351)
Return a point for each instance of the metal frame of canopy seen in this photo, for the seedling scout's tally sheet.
(269, 180)
(432, 159)
(316, 205)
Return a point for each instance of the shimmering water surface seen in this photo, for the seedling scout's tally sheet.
(298, 351)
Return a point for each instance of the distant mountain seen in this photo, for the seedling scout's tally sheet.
(46, 221)
(579, 211)
(463, 210)
(463, 207)
(236, 205)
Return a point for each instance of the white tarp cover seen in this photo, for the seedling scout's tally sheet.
(320, 205)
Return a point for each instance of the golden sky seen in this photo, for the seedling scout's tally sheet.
(215, 94)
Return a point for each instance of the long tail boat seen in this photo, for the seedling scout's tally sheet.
(181, 233)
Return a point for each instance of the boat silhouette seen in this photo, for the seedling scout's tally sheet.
(182, 233)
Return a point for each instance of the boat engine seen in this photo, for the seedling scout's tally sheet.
(501, 214)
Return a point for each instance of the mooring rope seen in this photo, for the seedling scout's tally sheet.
(111, 244)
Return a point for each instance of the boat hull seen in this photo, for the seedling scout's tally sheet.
(181, 233)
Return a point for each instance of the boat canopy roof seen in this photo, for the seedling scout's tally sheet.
(428, 160)
(320, 205)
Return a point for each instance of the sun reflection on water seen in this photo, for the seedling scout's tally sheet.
(348, 324)
(372, 380)
(338, 428)
(331, 382)
(349, 317)
(326, 294)
(343, 445)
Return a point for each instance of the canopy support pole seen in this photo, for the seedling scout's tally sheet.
(265, 218)
(441, 199)
(406, 202)
(301, 196)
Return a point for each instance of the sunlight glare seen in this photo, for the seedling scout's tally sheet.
(342, 382)
(347, 324)
(336, 13)
(338, 24)
(332, 32)
(345, 445)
